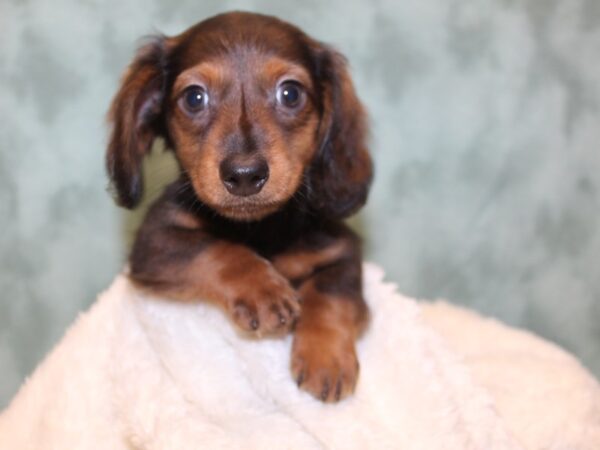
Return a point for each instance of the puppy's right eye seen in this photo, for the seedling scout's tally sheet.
(195, 99)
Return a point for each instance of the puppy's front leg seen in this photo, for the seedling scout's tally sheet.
(334, 313)
(189, 264)
(324, 360)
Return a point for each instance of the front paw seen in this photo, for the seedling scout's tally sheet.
(267, 305)
(324, 363)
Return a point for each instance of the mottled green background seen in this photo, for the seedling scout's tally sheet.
(486, 128)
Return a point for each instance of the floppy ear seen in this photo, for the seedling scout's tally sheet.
(341, 173)
(134, 115)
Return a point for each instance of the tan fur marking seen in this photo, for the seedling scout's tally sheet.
(211, 74)
(300, 264)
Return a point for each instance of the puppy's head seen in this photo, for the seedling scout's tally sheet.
(256, 112)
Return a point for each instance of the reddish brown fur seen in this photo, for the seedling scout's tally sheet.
(281, 257)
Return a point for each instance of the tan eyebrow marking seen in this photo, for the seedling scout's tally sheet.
(207, 73)
(277, 68)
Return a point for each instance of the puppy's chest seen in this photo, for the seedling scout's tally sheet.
(267, 238)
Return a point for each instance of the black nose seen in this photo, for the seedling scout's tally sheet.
(244, 178)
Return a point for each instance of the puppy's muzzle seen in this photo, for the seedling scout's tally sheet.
(243, 177)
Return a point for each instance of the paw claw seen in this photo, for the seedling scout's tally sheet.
(338, 390)
(281, 318)
(325, 391)
(300, 379)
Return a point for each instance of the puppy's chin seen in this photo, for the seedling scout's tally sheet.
(247, 211)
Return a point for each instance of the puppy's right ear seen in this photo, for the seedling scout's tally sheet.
(135, 118)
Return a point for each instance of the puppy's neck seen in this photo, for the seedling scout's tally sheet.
(267, 235)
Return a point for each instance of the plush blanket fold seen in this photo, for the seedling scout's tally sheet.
(143, 373)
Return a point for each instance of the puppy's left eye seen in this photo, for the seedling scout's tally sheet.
(290, 94)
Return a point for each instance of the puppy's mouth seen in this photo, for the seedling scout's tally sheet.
(238, 208)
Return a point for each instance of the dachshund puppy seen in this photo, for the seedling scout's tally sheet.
(270, 139)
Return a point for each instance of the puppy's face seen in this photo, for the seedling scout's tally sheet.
(244, 126)
(254, 110)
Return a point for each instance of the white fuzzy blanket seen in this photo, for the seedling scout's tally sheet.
(142, 373)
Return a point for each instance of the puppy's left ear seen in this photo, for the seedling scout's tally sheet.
(341, 173)
(134, 115)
